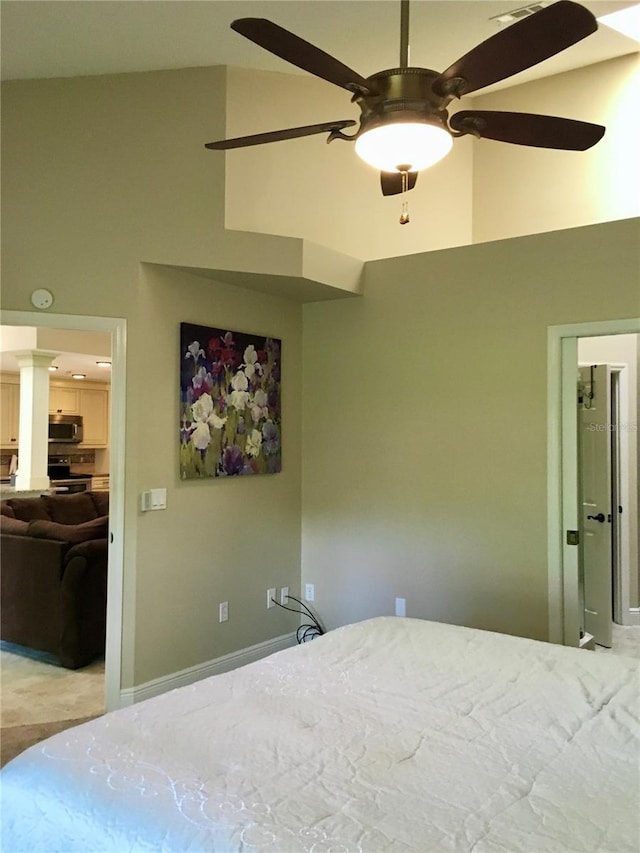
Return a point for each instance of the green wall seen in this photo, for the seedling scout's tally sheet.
(424, 426)
(420, 406)
(105, 183)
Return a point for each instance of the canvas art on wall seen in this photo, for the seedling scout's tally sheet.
(229, 403)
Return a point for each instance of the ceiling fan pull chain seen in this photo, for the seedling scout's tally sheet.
(404, 213)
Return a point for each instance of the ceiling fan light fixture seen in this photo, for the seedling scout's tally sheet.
(403, 146)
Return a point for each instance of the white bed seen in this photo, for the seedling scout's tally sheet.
(387, 735)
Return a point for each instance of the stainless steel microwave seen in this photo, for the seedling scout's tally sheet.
(65, 429)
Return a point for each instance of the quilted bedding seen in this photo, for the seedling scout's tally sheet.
(386, 735)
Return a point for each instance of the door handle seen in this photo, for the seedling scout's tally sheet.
(599, 517)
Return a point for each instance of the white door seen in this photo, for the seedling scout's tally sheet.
(594, 473)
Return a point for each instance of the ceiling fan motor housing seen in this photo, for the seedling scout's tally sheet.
(402, 94)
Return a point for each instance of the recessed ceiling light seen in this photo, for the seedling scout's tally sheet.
(103, 363)
(625, 21)
(53, 367)
(78, 375)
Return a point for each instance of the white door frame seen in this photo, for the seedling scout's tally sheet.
(622, 601)
(562, 470)
(117, 327)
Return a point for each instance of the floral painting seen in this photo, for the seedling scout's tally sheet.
(229, 403)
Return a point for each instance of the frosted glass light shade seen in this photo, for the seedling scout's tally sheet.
(413, 144)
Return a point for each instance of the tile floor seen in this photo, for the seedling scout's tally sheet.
(626, 641)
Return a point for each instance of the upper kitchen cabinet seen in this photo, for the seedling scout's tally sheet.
(9, 413)
(94, 408)
(66, 397)
(91, 400)
(64, 400)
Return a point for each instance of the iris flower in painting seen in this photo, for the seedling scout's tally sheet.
(232, 460)
(230, 403)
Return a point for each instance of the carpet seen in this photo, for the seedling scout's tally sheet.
(15, 739)
(41, 698)
(35, 691)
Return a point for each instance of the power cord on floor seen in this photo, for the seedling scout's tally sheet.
(308, 631)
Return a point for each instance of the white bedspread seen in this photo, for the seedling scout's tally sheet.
(387, 735)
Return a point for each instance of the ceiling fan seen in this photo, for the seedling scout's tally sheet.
(404, 122)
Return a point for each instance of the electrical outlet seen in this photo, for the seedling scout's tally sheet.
(401, 606)
(223, 611)
(284, 595)
(310, 591)
(271, 596)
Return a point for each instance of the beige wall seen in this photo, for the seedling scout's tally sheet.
(424, 425)
(521, 190)
(411, 443)
(219, 540)
(99, 175)
(325, 193)
(623, 350)
(482, 191)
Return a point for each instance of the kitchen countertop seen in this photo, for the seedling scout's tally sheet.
(11, 492)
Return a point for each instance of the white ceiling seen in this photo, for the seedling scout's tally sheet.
(67, 363)
(41, 38)
(78, 351)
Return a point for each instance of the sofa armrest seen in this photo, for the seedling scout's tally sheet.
(91, 549)
(84, 602)
(30, 591)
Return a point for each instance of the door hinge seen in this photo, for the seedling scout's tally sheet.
(573, 537)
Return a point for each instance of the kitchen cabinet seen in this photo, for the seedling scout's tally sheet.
(63, 400)
(100, 483)
(94, 408)
(9, 414)
(90, 401)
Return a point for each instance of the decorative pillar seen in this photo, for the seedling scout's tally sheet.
(33, 433)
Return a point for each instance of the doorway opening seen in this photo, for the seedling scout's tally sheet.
(581, 518)
(116, 328)
(608, 482)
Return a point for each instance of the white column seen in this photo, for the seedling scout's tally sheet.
(33, 433)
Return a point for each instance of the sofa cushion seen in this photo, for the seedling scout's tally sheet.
(13, 525)
(70, 509)
(96, 528)
(5, 509)
(101, 502)
(29, 509)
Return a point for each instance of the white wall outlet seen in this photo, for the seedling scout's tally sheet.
(223, 611)
(310, 591)
(284, 595)
(401, 606)
(271, 597)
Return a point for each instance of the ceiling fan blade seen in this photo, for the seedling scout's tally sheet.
(520, 46)
(391, 182)
(299, 52)
(277, 135)
(529, 129)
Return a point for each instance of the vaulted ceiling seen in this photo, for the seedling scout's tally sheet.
(41, 38)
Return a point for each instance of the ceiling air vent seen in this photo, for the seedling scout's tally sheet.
(516, 14)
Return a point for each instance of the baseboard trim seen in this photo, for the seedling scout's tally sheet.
(131, 695)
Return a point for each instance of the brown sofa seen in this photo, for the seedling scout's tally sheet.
(54, 552)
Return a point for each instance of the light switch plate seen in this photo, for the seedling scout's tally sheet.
(153, 499)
